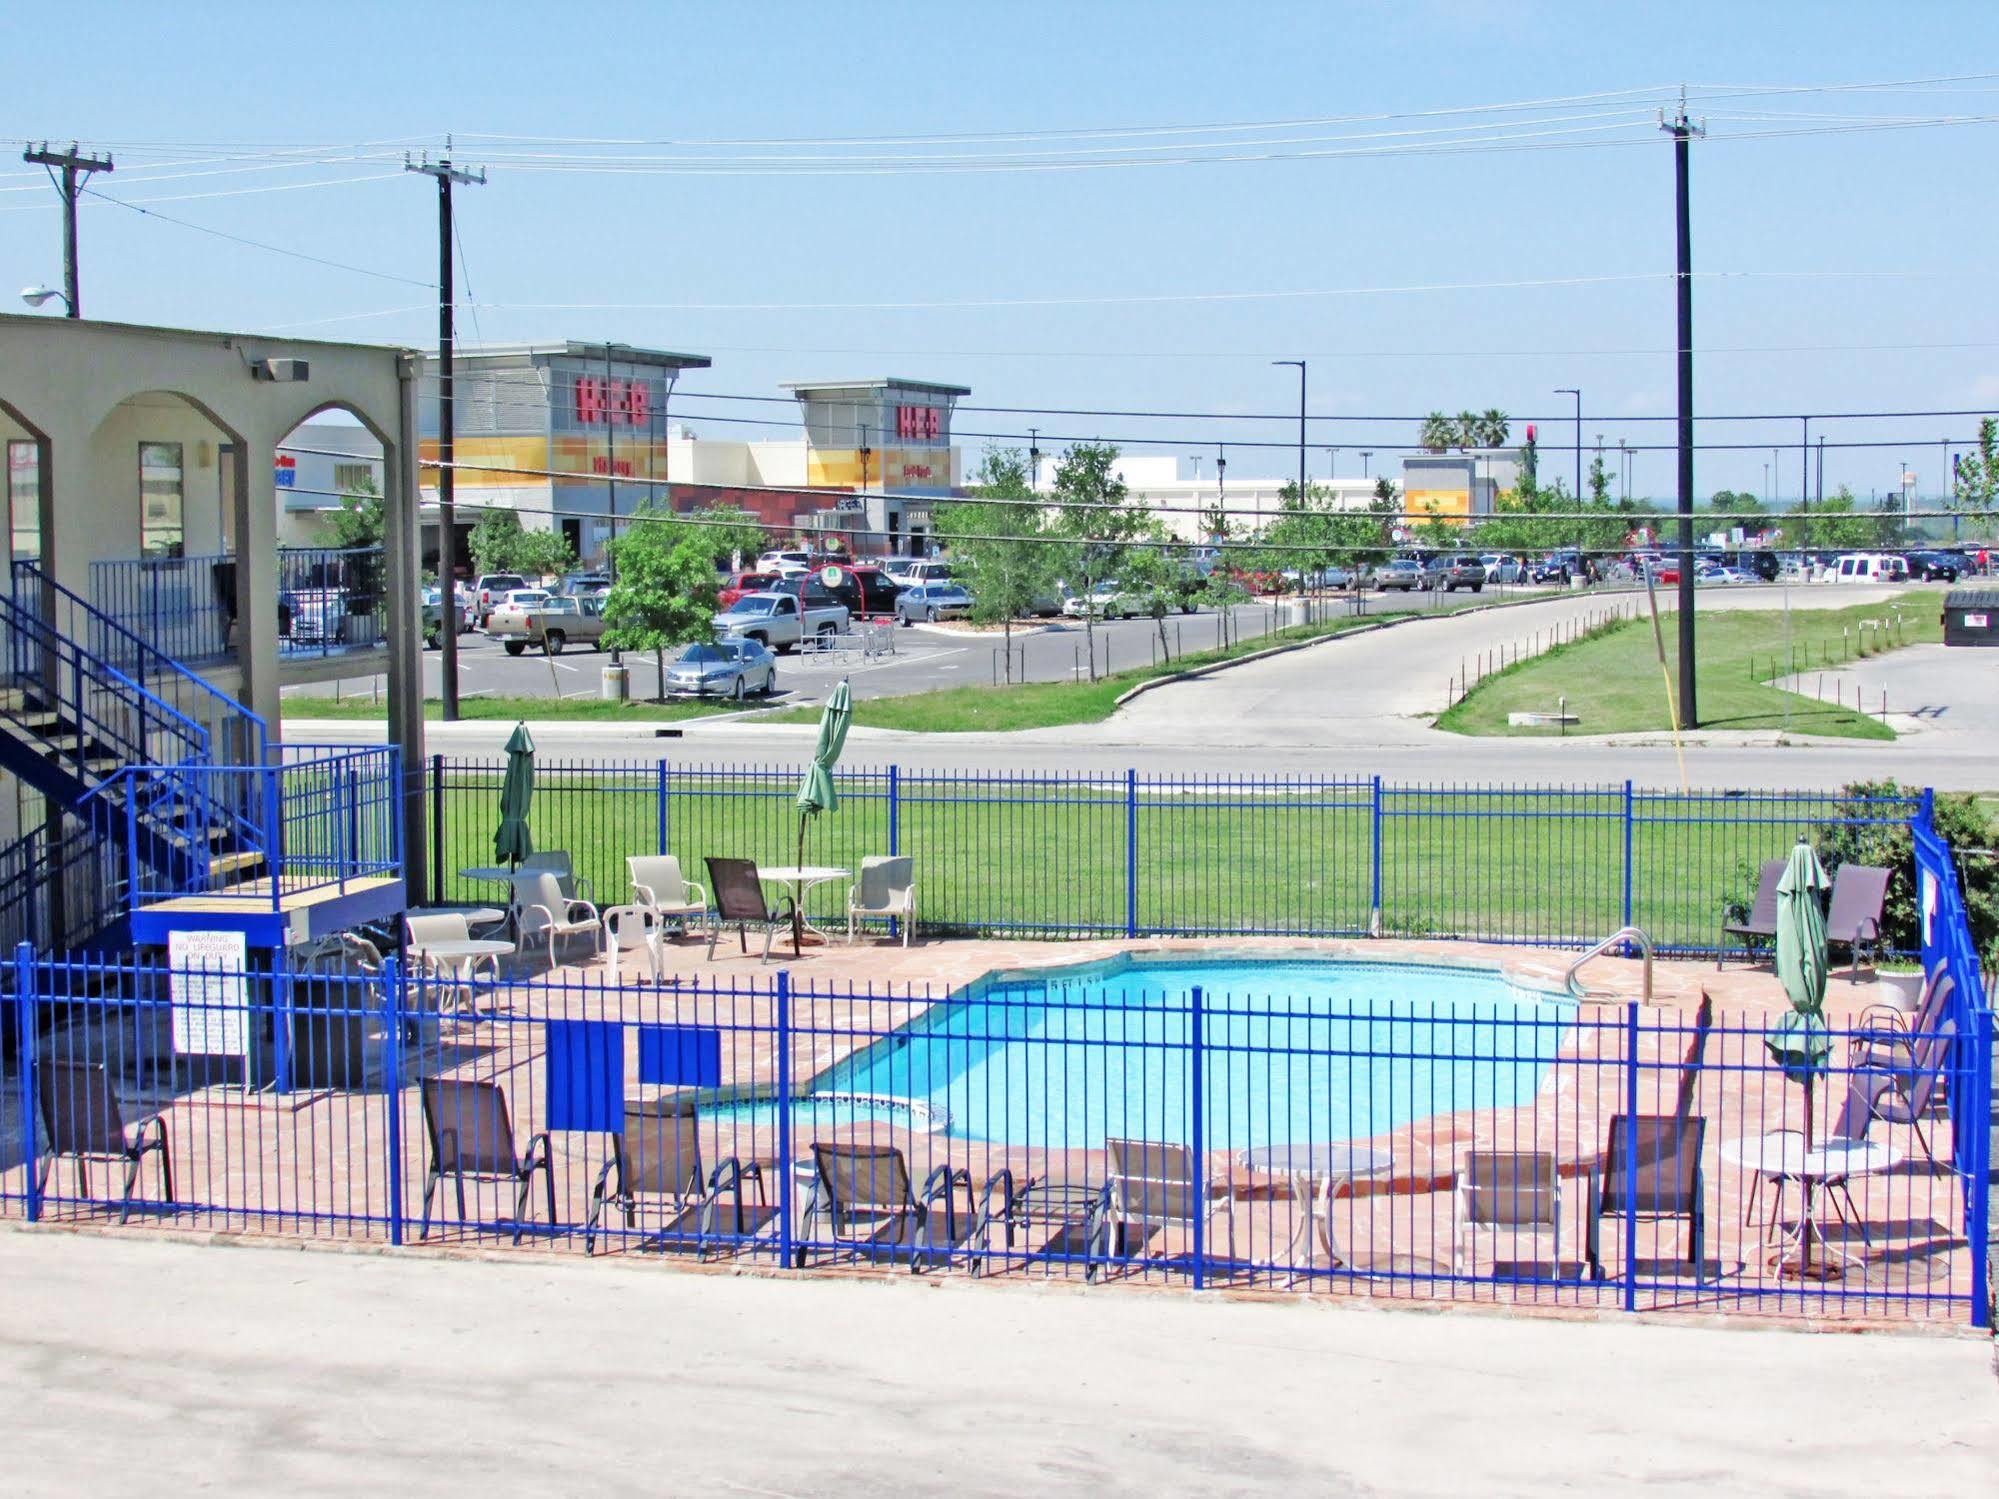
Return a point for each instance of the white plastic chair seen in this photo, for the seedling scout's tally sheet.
(557, 860)
(887, 887)
(659, 888)
(541, 911)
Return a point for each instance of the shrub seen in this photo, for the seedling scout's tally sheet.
(1958, 820)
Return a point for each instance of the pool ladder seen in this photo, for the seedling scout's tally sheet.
(1622, 934)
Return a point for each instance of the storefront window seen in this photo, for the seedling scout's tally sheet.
(161, 500)
(24, 499)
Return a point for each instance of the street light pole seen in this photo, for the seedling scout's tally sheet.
(1570, 390)
(1366, 454)
(1683, 132)
(1301, 424)
(76, 170)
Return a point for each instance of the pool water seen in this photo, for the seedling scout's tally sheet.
(1295, 1051)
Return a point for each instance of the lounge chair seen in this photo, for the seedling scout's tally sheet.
(1151, 1185)
(739, 902)
(543, 912)
(81, 1117)
(865, 1199)
(658, 1155)
(1652, 1174)
(659, 890)
(1761, 923)
(471, 1135)
(1514, 1191)
(887, 888)
(1859, 892)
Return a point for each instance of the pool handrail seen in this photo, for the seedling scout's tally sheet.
(1621, 935)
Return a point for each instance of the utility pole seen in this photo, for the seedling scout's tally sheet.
(1301, 424)
(76, 170)
(1570, 390)
(447, 435)
(1033, 458)
(1683, 132)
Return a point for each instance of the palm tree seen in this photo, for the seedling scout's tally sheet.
(1439, 432)
(1467, 431)
(1493, 428)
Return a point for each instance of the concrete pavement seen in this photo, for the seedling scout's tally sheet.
(138, 1366)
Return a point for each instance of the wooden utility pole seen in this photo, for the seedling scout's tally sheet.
(76, 169)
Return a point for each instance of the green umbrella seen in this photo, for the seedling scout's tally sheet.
(511, 840)
(1799, 1042)
(815, 788)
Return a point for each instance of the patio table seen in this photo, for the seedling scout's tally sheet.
(803, 878)
(466, 954)
(1781, 1156)
(1325, 1166)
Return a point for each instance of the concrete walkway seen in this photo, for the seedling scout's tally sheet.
(136, 1367)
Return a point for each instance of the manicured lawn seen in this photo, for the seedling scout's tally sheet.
(1612, 679)
(584, 709)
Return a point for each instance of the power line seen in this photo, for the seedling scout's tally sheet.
(256, 244)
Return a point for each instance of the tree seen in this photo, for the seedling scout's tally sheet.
(1000, 542)
(1493, 428)
(1599, 481)
(1838, 524)
(360, 520)
(665, 590)
(1096, 518)
(1738, 502)
(1465, 431)
(1317, 534)
(1438, 433)
(1974, 488)
(1157, 578)
(501, 544)
(731, 534)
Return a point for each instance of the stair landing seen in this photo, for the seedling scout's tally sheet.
(292, 916)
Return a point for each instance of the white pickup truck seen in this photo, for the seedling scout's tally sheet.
(779, 621)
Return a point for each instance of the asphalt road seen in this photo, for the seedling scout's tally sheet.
(137, 1366)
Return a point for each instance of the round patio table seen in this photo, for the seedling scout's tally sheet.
(1781, 1156)
(803, 878)
(1323, 1166)
(466, 954)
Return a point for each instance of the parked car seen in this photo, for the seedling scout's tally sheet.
(722, 668)
(739, 584)
(1500, 568)
(583, 584)
(868, 592)
(782, 561)
(1401, 573)
(931, 602)
(553, 623)
(779, 621)
(503, 619)
(1463, 572)
(909, 571)
(1559, 567)
(1927, 567)
(432, 607)
(1105, 601)
(490, 588)
(1870, 567)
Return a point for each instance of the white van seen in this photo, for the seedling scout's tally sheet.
(907, 572)
(1869, 567)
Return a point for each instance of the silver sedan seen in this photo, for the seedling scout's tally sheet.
(722, 668)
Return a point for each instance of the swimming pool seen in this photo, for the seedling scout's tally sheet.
(1294, 1051)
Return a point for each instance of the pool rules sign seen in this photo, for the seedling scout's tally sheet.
(209, 993)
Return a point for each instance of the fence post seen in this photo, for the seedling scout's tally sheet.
(1978, 1214)
(1374, 861)
(1197, 1071)
(437, 827)
(786, 1243)
(1131, 852)
(1629, 820)
(1630, 1157)
(392, 1087)
(894, 834)
(25, 1050)
(659, 805)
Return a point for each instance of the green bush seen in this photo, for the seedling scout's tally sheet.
(1889, 845)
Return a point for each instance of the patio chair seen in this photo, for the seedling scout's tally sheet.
(81, 1117)
(1652, 1174)
(451, 975)
(1886, 1037)
(1151, 1185)
(739, 902)
(558, 862)
(887, 888)
(657, 888)
(1690, 1062)
(471, 1136)
(1509, 1191)
(864, 1197)
(1859, 892)
(658, 1155)
(543, 912)
(1762, 919)
(1906, 1091)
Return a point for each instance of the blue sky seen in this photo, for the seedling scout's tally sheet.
(1864, 251)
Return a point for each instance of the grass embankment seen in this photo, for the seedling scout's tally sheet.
(583, 709)
(1042, 705)
(1611, 679)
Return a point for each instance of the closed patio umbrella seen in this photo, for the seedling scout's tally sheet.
(511, 840)
(815, 788)
(1799, 1042)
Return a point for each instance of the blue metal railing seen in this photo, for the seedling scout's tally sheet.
(330, 601)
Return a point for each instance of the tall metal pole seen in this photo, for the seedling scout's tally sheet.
(447, 434)
(1683, 132)
(76, 170)
(1299, 364)
(1570, 390)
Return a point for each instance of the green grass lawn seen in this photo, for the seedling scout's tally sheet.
(1612, 678)
(587, 709)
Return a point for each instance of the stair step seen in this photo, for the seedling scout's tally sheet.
(235, 863)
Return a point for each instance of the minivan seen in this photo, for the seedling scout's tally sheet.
(1870, 567)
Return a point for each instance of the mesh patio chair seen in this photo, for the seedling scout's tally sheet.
(543, 913)
(658, 888)
(81, 1117)
(471, 1136)
(887, 888)
(1906, 1092)
(1886, 1037)
(739, 902)
(1151, 1185)
(657, 1155)
(1506, 1191)
(863, 1196)
(1652, 1174)
(1859, 892)
(1761, 922)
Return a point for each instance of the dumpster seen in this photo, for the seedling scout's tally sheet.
(1971, 616)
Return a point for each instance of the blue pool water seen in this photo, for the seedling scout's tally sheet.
(1294, 1051)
